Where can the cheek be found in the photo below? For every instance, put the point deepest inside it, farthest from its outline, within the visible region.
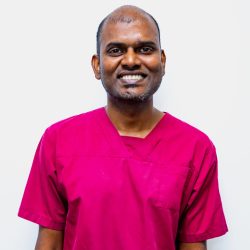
(109, 66)
(153, 64)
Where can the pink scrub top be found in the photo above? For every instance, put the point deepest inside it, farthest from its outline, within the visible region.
(109, 192)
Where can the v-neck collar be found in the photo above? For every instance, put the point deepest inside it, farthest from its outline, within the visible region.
(115, 140)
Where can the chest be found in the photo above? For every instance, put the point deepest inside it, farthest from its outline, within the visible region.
(117, 181)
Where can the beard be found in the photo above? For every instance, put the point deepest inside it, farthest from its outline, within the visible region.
(131, 96)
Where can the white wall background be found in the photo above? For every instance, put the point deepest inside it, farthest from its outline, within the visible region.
(45, 76)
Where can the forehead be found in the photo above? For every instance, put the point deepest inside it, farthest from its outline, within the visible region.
(129, 32)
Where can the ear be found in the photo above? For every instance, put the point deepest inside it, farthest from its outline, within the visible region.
(95, 62)
(163, 61)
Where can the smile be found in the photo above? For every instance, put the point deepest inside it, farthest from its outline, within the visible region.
(132, 77)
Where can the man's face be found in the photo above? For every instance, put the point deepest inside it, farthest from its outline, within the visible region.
(131, 63)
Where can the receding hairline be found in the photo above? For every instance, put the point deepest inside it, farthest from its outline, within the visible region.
(126, 14)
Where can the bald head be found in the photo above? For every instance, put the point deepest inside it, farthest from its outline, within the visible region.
(124, 14)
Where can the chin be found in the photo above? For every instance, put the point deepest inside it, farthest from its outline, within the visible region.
(133, 98)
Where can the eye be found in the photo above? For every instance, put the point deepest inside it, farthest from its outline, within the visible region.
(115, 51)
(146, 50)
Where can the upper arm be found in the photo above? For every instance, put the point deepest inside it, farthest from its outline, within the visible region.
(49, 239)
(202, 217)
(192, 246)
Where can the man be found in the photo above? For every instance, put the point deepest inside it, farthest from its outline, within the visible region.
(126, 176)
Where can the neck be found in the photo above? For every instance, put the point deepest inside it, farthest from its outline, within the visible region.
(133, 119)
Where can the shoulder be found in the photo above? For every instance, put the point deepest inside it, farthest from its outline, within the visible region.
(73, 122)
(69, 136)
(187, 133)
(71, 126)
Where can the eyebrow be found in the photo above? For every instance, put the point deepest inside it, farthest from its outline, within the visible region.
(138, 44)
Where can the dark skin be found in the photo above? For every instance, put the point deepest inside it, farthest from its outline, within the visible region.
(131, 65)
(128, 49)
(49, 239)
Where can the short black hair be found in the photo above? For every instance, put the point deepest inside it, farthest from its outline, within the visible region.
(120, 19)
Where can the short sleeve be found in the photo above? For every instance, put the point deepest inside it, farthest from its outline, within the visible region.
(42, 201)
(203, 217)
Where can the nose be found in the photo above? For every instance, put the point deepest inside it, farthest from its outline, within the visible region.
(130, 59)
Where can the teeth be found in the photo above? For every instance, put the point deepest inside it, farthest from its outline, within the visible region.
(132, 77)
